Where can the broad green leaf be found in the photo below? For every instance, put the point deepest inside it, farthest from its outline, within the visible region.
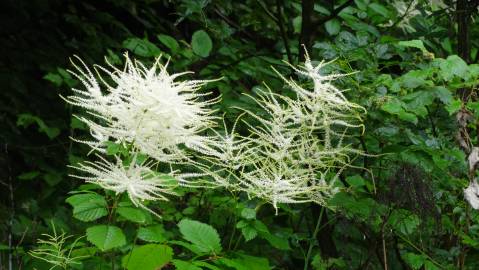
(141, 47)
(154, 233)
(404, 221)
(333, 26)
(414, 260)
(355, 181)
(453, 65)
(131, 213)
(26, 119)
(276, 241)
(169, 42)
(148, 257)
(203, 236)
(443, 94)
(248, 213)
(88, 206)
(105, 237)
(430, 265)
(380, 9)
(184, 265)
(415, 43)
(245, 262)
(249, 233)
(454, 106)
(201, 43)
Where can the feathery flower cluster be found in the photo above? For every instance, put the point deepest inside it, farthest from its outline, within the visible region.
(297, 146)
(144, 107)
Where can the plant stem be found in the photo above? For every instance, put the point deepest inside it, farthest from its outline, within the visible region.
(313, 238)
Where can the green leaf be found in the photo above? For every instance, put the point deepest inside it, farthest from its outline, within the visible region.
(169, 42)
(454, 106)
(276, 241)
(201, 43)
(154, 233)
(380, 9)
(141, 47)
(248, 213)
(26, 119)
(245, 262)
(443, 94)
(131, 213)
(333, 26)
(414, 260)
(430, 266)
(249, 233)
(148, 257)
(183, 265)
(203, 236)
(404, 221)
(355, 181)
(453, 65)
(88, 207)
(105, 237)
(28, 175)
(415, 43)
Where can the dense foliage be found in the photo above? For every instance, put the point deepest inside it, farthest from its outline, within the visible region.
(412, 75)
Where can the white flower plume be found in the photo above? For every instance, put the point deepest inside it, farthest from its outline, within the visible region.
(296, 152)
(138, 180)
(145, 107)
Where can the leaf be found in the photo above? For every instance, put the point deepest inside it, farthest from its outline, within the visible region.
(415, 43)
(430, 265)
(248, 213)
(88, 207)
(26, 119)
(131, 213)
(414, 260)
(183, 265)
(28, 175)
(276, 241)
(245, 262)
(105, 237)
(141, 47)
(443, 94)
(154, 233)
(404, 221)
(148, 257)
(453, 65)
(201, 43)
(355, 181)
(169, 42)
(333, 27)
(249, 233)
(380, 9)
(203, 236)
(454, 106)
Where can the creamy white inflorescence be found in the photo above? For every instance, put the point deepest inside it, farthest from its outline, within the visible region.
(146, 107)
(293, 154)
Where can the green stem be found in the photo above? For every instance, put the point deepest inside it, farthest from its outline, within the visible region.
(313, 239)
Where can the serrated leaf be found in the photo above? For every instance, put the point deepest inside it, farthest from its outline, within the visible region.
(148, 257)
(88, 207)
(201, 43)
(249, 233)
(248, 213)
(203, 236)
(154, 233)
(105, 237)
(333, 26)
(131, 213)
